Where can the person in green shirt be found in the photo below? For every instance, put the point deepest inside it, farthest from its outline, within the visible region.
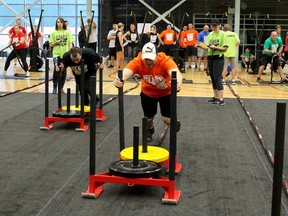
(248, 59)
(217, 44)
(273, 47)
(229, 56)
(61, 41)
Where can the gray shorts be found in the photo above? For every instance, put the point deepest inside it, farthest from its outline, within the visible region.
(202, 52)
(229, 60)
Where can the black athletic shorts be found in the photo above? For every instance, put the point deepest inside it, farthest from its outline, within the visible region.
(112, 52)
(191, 51)
(150, 104)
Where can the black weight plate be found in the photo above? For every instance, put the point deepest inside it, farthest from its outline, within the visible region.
(65, 114)
(145, 169)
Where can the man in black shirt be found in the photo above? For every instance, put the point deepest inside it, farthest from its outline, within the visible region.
(92, 61)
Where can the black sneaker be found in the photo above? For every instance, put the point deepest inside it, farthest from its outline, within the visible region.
(196, 67)
(218, 102)
(150, 132)
(221, 102)
(283, 80)
(258, 79)
(212, 100)
(178, 125)
(189, 67)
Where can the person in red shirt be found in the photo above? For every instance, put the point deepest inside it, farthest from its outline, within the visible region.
(20, 49)
(33, 49)
(30, 38)
(190, 36)
(11, 31)
(155, 69)
(169, 39)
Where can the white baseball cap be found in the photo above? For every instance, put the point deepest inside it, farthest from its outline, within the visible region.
(149, 51)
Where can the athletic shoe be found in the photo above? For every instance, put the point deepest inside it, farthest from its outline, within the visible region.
(178, 125)
(150, 132)
(3, 74)
(233, 82)
(258, 79)
(54, 91)
(224, 82)
(218, 102)
(62, 90)
(97, 98)
(207, 71)
(196, 67)
(27, 74)
(212, 100)
(111, 66)
(189, 67)
(221, 102)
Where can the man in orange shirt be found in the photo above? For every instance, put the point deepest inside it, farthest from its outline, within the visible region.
(190, 36)
(169, 36)
(155, 70)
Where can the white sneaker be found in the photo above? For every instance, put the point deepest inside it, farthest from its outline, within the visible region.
(233, 82)
(3, 74)
(223, 82)
(27, 74)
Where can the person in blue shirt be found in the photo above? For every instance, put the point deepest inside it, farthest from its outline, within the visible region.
(202, 53)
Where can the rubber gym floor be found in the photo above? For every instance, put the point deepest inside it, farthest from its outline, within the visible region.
(225, 169)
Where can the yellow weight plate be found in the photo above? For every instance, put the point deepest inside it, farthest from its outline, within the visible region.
(154, 153)
(74, 108)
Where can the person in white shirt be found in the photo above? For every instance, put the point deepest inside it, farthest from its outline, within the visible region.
(91, 34)
(112, 52)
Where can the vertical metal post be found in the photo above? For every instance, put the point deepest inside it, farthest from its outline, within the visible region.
(278, 156)
(59, 88)
(77, 96)
(82, 88)
(92, 158)
(173, 122)
(46, 87)
(68, 100)
(144, 134)
(101, 88)
(121, 113)
(135, 146)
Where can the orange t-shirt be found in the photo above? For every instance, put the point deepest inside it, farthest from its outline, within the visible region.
(169, 36)
(182, 38)
(155, 81)
(191, 36)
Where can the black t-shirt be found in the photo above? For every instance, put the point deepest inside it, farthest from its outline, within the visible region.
(90, 60)
(133, 37)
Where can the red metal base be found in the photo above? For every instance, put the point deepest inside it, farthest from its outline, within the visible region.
(100, 116)
(97, 181)
(178, 166)
(50, 120)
